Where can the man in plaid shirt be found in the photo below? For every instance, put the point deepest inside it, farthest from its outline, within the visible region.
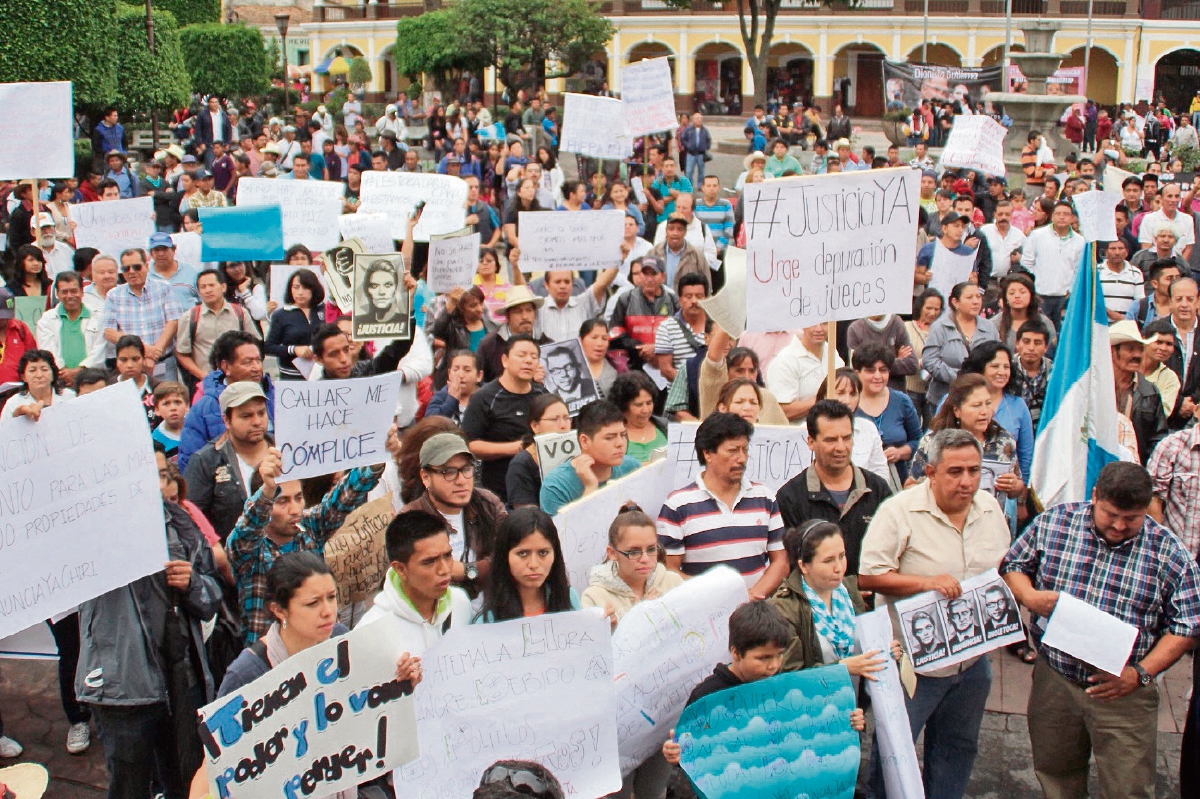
(1111, 555)
(276, 522)
(1175, 471)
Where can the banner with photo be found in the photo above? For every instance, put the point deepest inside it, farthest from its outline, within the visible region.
(912, 83)
(568, 374)
(381, 300)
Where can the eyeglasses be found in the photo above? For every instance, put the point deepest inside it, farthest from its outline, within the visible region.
(522, 780)
(636, 554)
(451, 473)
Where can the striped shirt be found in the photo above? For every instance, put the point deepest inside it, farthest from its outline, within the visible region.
(1121, 289)
(669, 339)
(718, 217)
(1149, 581)
(695, 524)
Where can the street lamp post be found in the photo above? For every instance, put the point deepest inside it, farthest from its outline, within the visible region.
(281, 22)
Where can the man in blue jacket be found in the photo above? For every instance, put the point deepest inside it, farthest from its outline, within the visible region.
(236, 355)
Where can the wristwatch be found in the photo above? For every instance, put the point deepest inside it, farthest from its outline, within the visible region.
(1144, 677)
(471, 571)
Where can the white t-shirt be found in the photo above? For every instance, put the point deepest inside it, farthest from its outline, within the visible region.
(1182, 224)
(247, 472)
(795, 373)
(1002, 247)
(459, 539)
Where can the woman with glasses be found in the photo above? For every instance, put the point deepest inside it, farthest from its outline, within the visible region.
(518, 779)
(528, 575)
(631, 573)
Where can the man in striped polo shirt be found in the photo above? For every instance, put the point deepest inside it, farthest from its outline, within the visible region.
(723, 518)
(1121, 282)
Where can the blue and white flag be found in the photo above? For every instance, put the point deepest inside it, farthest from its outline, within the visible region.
(1077, 433)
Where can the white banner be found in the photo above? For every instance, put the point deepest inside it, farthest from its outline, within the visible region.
(453, 262)
(826, 248)
(595, 127)
(310, 208)
(664, 648)
(187, 249)
(331, 425)
(777, 454)
(373, 230)
(648, 96)
(1097, 217)
(901, 774)
(335, 716)
(396, 194)
(579, 241)
(114, 226)
(948, 268)
(940, 632)
(529, 689)
(976, 142)
(583, 525)
(37, 131)
(82, 513)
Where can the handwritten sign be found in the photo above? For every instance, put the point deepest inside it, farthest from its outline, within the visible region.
(898, 755)
(663, 648)
(940, 632)
(583, 524)
(37, 131)
(829, 247)
(330, 425)
(29, 310)
(396, 194)
(787, 735)
(453, 261)
(327, 718)
(648, 97)
(532, 689)
(777, 454)
(579, 241)
(976, 142)
(1097, 220)
(555, 448)
(374, 230)
(948, 268)
(82, 513)
(595, 127)
(310, 208)
(244, 233)
(356, 554)
(727, 308)
(115, 226)
(188, 247)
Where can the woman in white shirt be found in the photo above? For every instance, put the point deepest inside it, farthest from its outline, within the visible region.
(41, 388)
(868, 446)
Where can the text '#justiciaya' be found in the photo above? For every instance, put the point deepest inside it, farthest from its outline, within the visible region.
(821, 206)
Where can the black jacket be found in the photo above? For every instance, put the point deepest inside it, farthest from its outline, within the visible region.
(803, 498)
(1149, 420)
(215, 484)
(1189, 376)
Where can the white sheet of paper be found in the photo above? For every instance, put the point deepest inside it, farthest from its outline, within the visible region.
(396, 194)
(1089, 634)
(37, 131)
(112, 227)
(656, 376)
(452, 263)
(555, 448)
(949, 268)
(595, 127)
(976, 142)
(901, 773)
(1097, 222)
(187, 249)
(564, 240)
(648, 96)
(374, 230)
(310, 208)
(727, 307)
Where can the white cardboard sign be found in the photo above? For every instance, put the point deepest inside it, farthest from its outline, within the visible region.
(37, 131)
(777, 454)
(114, 226)
(396, 194)
(595, 127)
(578, 241)
(898, 755)
(310, 208)
(453, 262)
(948, 268)
(648, 96)
(1097, 220)
(373, 230)
(976, 142)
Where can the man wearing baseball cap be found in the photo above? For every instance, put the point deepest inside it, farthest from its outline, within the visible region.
(181, 279)
(17, 339)
(638, 313)
(205, 195)
(1137, 398)
(954, 227)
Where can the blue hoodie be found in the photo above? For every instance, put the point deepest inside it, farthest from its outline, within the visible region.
(204, 421)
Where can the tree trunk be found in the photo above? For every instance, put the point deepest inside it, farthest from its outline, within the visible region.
(758, 69)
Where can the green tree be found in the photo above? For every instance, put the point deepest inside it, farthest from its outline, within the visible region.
(146, 81)
(360, 71)
(227, 60)
(191, 12)
(530, 41)
(71, 40)
(431, 45)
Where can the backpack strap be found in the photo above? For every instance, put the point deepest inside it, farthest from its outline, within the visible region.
(259, 648)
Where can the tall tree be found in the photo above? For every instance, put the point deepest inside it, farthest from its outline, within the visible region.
(191, 12)
(71, 40)
(148, 81)
(431, 45)
(227, 60)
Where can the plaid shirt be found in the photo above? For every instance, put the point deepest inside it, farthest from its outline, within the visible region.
(1149, 581)
(251, 553)
(1033, 388)
(1175, 470)
(145, 316)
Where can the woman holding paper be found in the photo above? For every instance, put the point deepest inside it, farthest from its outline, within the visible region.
(547, 414)
(529, 574)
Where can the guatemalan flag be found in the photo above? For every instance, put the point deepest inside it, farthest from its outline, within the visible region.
(1077, 432)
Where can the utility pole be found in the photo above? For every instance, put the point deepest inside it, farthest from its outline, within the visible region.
(150, 41)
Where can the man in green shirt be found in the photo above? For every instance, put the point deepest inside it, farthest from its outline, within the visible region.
(70, 331)
(780, 162)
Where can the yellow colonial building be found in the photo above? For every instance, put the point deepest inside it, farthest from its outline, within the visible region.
(1138, 46)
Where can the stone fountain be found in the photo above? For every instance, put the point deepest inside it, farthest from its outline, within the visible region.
(1034, 109)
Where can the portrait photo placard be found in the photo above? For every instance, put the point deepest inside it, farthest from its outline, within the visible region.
(381, 305)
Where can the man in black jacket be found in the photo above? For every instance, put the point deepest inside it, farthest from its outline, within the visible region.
(1137, 397)
(1185, 358)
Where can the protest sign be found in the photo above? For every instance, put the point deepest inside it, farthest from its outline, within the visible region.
(37, 131)
(648, 96)
(242, 233)
(396, 194)
(976, 142)
(787, 735)
(531, 689)
(580, 241)
(280, 275)
(1089, 634)
(331, 425)
(910, 84)
(826, 248)
(1113, 177)
(662, 649)
(940, 632)
(374, 230)
(327, 718)
(777, 454)
(29, 310)
(82, 513)
(568, 374)
(453, 261)
(583, 524)
(338, 275)
(1097, 219)
(112, 227)
(32, 643)
(897, 754)
(310, 208)
(1184, 180)
(380, 299)
(555, 448)
(595, 127)
(355, 554)
(948, 268)
(727, 308)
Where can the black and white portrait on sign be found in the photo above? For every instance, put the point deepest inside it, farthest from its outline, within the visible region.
(1000, 615)
(568, 375)
(926, 637)
(962, 623)
(381, 306)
